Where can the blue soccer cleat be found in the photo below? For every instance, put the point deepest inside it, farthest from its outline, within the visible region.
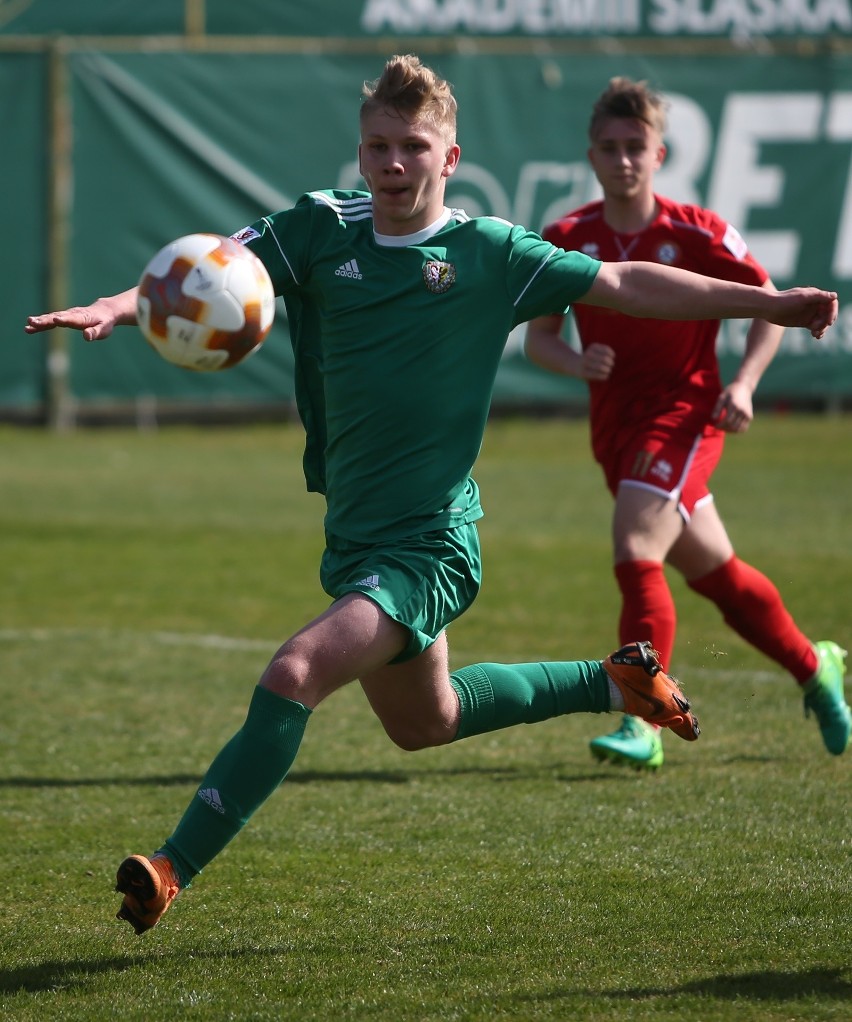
(634, 744)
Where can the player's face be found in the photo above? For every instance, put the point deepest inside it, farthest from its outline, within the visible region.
(406, 166)
(625, 155)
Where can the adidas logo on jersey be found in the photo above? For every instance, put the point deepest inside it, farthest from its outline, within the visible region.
(370, 582)
(349, 269)
(212, 798)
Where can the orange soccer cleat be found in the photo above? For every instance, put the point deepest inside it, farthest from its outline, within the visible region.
(649, 692)
(149, 886)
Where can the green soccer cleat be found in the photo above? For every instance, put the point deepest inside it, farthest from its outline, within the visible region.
(825, 697)
(634, 744)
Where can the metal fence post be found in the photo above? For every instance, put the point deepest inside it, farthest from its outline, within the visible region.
(60, 405)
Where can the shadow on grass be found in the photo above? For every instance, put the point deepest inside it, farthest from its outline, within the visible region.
(295, 777)
(745, 758)
(58, 975)
(769, 986)
(774, 986)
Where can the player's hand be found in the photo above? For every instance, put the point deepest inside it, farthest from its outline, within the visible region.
(95, 321)
(598, 360)
(807, 307)
(734, 410)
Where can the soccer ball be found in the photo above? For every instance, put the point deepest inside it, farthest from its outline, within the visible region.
(205, 302)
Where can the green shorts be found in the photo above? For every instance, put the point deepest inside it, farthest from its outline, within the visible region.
(424, 582)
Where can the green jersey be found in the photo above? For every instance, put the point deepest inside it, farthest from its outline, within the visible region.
(397, 342)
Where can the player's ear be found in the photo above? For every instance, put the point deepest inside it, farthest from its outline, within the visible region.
(451, 161)
(662, 152)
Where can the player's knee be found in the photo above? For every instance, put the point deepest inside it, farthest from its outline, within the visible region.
(414, 735)
(636, 547)
(289, 675)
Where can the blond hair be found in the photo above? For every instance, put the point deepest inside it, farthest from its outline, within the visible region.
(626, 99)
(414, 92)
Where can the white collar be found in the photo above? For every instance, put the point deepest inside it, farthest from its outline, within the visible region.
(401, 240)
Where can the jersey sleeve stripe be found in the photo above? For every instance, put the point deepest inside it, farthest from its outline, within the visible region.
(539, 269)
(268, 223)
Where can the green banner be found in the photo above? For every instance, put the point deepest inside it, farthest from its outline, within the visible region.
(167, 143)
(91, 17)
(740, 20)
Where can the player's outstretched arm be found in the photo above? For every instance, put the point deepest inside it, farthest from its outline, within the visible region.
(649, 290)
(96, 321)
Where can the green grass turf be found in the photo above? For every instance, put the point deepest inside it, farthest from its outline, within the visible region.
(146, 579)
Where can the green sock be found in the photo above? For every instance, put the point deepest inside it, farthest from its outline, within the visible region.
(244, 774)
(494, 696)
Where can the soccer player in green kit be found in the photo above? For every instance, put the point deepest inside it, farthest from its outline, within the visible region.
(399, 309)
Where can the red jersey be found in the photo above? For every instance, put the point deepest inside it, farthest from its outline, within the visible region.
(666, 375)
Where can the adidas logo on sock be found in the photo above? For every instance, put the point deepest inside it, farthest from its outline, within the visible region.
(211, 797)
(370, 582)
(349, 269)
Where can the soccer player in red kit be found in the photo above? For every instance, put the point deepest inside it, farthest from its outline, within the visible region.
(659, 413)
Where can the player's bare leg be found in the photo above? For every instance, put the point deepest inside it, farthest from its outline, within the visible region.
(251, 766)
(415, 701)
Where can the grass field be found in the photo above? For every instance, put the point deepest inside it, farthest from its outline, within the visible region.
(146, 579)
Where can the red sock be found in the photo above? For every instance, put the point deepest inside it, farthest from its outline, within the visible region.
(752, 606)
(647, 608)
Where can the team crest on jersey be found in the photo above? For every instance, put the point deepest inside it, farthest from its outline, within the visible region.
(667, 253)
(592, 249)
(439, 276)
